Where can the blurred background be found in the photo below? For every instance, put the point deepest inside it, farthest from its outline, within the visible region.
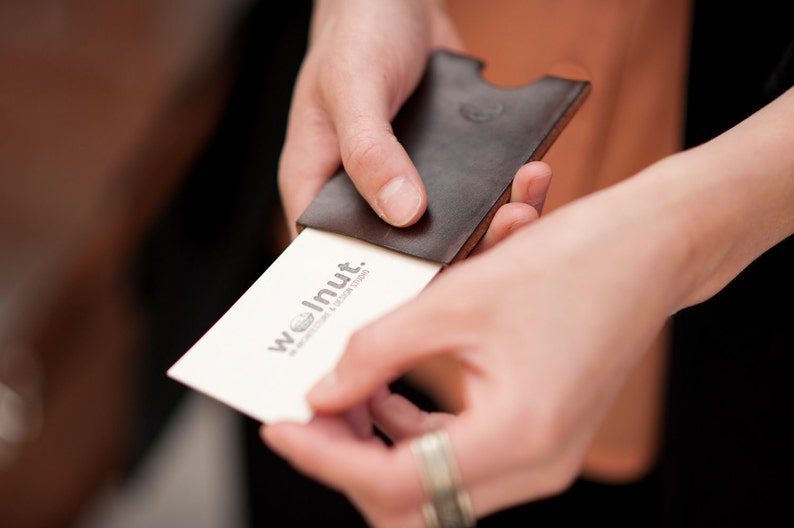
(138, 153)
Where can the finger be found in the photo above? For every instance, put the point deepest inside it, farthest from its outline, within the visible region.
(383, 350)
(313, 448)
(531, 184)
(376, 162)
(398, 418)
(360, 421)
(309, 157)
(328, 451)
(528, 194)
(508, 219)
(364, 92)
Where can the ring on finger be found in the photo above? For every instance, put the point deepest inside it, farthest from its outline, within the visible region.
(449, 505)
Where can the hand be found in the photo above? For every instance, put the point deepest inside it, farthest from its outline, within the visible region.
(527, 197)
(365, 58)
(545, 326)
(538, 361)
(393, 414)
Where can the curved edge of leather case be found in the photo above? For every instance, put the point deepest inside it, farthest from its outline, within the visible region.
(467, 139)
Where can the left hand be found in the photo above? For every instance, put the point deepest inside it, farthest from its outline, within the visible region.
(364, 59)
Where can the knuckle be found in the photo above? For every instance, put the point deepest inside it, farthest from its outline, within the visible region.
(363, 152)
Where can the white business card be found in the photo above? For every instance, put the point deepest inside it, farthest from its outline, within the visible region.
(293, 323)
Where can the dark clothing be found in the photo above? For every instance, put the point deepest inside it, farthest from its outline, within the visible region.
(727, 459)
(216, 236)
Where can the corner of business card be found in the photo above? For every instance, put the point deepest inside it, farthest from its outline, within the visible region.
(292, 325)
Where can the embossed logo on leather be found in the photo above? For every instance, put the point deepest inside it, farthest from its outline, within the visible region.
(482, 110)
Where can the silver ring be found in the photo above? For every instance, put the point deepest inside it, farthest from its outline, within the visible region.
(449, 505)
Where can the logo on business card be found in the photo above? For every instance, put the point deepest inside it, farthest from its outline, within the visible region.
(320, 308)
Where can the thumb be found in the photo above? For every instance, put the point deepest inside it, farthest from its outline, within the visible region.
(377, 163)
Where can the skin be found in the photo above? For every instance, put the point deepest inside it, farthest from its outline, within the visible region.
(542, 340)
(342, 109)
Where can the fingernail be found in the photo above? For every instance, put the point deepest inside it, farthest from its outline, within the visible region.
(399, 202)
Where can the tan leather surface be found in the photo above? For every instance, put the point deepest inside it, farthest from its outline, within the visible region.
(634, 53)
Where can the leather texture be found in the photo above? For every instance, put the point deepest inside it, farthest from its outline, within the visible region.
(467, 139)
